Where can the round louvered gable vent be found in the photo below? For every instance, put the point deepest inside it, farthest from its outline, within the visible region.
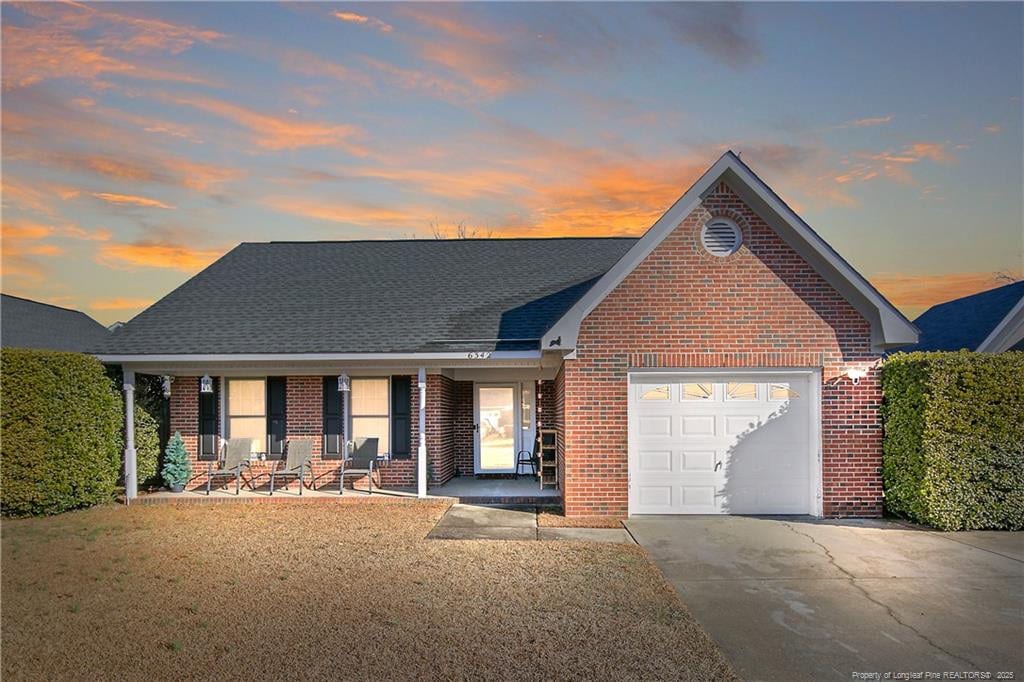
(721, 237)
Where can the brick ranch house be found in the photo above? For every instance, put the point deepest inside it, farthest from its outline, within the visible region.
(724, 362)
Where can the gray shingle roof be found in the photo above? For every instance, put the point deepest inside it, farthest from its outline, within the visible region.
(29, 324)
(965, 322)
(372, 296)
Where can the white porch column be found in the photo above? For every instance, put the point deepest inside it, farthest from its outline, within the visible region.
(421, 451)
(131, 483)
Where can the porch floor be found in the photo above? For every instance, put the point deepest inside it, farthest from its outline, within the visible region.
(498, 490)
(466, 489)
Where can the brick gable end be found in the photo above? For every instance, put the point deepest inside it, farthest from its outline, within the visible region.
(763, 306)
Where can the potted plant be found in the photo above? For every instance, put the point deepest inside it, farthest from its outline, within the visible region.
(177, 469)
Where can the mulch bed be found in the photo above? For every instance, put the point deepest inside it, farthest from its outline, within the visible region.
(336, 591)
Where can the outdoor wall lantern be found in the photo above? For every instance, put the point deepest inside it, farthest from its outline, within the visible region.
(856, 375)
(344, 383)
(167, 381)
(206, 384)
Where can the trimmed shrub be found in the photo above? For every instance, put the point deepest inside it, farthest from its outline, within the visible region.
(61, 423)
(954, 439)
(147, 448)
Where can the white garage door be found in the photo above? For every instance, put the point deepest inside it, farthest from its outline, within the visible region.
(722, 444)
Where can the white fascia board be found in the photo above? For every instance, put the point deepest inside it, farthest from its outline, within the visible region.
(1008, 333)
(477, 356)
(889, 326)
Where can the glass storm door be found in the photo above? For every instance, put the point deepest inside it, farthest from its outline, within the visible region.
(496, 428)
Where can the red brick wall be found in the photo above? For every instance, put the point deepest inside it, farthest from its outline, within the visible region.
(761, 307)
(184, 408)
(559, 407)
(462, 428)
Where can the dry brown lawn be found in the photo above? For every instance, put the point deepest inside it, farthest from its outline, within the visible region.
(329, 590)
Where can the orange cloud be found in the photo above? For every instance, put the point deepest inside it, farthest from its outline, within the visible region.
(364, 215)
(869, 122)
(169, 170)
(275, 133)
(32, 55)
(484, 57)
(893, 164)
(130, 200)
(915, 293)
(467, 184)
(414, 79)
(434, 17)
(155, 255)
(118, 303)
(993, 128)
(353, 18)
(37, 197)
(24, 242)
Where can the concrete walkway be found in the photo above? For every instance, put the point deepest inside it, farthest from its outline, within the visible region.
(512, 522)
(800, 599)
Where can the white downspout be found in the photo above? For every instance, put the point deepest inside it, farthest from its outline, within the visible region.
(131, 483)
(421, 451)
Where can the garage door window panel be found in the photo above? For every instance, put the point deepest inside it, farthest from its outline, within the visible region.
(655, 392)
(781, 391)
(738, 390)
(698, 391)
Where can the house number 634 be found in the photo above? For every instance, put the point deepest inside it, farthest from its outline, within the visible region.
(479, 355)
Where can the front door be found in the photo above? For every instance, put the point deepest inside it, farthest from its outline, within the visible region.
(496, 421)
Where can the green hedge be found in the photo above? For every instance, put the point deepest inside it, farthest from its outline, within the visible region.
(60, 432)
(954, 439)
(147, 448)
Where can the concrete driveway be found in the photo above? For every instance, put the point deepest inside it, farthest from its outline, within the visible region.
(799, 599)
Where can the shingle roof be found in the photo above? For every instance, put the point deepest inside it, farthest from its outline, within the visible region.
(372, 296)
(966, 322)
(29, 324)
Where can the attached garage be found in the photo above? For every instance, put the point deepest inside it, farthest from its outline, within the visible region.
(731, 442)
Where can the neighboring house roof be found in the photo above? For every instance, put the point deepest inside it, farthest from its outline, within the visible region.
(991, 321)
(889, 327)
(371, 297)
(30, 324)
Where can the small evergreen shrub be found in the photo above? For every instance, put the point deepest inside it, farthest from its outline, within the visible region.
(177, 468)
(60, 432)
(954, 439)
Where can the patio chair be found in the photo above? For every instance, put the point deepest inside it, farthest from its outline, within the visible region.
(361, 461)
(236, 458)
(296, 463)
(527, 458)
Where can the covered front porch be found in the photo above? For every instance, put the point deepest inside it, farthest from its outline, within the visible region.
(457, 428)
(464, 489)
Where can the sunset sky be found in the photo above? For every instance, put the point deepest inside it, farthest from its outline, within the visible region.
(143, 140)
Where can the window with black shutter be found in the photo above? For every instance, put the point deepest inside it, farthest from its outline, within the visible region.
(208, 408)
(276, 408)
(334, 419)
(401, 417)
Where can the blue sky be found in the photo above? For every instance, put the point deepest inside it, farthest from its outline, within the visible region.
(143, 140)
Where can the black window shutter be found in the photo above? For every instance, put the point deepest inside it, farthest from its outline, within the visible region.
(208, 407)
(401, 417)
(275, 416)
(333, 419)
